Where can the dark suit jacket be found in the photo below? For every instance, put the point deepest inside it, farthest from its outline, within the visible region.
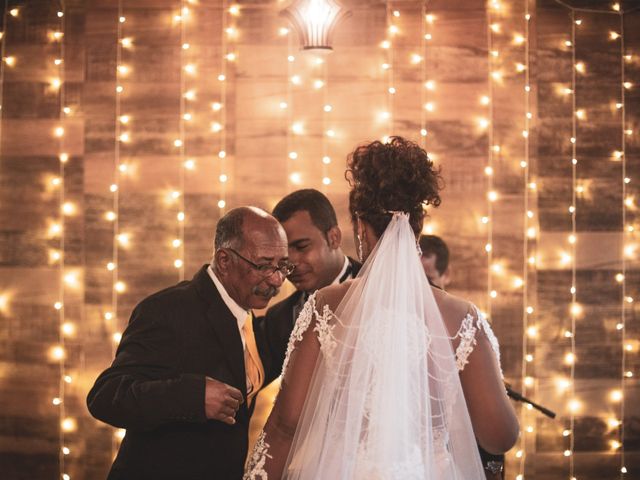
(278, 323)
(155, 387)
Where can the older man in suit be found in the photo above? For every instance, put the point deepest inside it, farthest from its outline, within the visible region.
(315, 249)
(189, 364)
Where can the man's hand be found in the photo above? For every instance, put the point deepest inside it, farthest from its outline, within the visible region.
(221, 401)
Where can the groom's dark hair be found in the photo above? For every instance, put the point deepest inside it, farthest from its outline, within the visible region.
(316, 203)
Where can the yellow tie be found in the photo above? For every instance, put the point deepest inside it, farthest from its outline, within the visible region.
(252, 363)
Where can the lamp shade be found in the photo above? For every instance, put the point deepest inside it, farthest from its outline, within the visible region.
(315, 20)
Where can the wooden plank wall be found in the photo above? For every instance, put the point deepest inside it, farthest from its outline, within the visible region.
(258, 138)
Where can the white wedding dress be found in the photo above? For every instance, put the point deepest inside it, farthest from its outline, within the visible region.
(371, 386)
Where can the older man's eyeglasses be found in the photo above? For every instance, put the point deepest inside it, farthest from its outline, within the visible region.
(267, 269)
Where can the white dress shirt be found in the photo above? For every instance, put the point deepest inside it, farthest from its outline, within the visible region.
(238, 312)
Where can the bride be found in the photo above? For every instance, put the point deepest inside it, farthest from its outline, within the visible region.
(386, 377)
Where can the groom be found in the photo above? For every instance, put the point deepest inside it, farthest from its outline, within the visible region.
(189, 364)
(315, 249)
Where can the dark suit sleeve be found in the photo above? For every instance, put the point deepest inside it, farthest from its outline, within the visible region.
(143, 389)
(274, 344)
(277, 325)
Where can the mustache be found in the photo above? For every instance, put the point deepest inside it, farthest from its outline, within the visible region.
(267, 292)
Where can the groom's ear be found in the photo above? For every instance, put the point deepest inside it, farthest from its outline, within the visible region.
(334, 237)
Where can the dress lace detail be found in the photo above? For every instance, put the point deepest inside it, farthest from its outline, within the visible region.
(325, 331)
(467, 335)
(255, 468)
(323, 327)
(483, 324)
(302, 324)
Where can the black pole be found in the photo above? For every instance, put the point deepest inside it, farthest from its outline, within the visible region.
(521, 398)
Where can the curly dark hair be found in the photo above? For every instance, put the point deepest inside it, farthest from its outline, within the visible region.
(392, 176)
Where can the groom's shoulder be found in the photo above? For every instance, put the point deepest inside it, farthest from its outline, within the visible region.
(355, 266)
(284, 306)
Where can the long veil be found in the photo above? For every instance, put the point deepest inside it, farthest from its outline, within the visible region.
(385, 400)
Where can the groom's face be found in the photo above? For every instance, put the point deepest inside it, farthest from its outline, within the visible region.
(311, 251)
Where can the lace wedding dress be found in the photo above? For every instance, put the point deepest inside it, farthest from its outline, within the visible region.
(370, 385)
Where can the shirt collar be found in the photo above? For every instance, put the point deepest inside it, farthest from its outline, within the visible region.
(336, 280)
(236, 310)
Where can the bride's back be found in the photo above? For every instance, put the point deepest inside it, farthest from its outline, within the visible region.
(477, 357)
(453, 309)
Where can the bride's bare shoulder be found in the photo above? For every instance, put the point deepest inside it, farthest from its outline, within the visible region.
(453, 309)
(333, 294)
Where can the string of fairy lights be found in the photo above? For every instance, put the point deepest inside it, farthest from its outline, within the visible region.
(492, 196)
(177, 195)
(121, 136)
(3, 62)
(387, 115)
(229, 31)
(423, 74)
(295, 127)
(527, 304)
(529, 331)
(570, 357)
(578, 114)
(496, 40)
(293, 177)
(393, 16)
(388, 67)
(310, 72)
(627, 246)
(328, 132)
(186, 69)
(67, 424)
(4, 297)
(426, 85)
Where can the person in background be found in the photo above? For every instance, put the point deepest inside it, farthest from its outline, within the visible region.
(435, 261)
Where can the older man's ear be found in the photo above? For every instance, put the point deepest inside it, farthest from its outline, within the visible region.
(221, 262)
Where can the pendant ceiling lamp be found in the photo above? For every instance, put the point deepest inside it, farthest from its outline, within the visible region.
(315, 20)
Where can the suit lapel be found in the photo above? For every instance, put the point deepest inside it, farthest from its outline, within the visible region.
(298, 301)
(355, 267)
(226, 328)
(224, 325)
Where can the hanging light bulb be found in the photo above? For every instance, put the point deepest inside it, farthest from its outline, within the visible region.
(315, 21)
